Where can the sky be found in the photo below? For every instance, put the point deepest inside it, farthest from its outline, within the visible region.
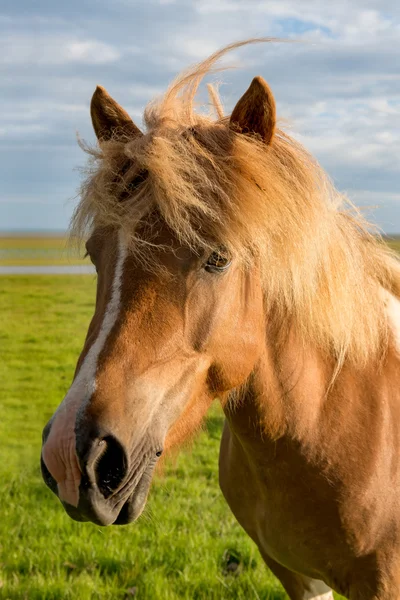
(337, 90)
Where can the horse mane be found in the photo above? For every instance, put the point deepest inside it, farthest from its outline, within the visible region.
(322, 266)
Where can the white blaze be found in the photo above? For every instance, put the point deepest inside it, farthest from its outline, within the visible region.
(59, 449)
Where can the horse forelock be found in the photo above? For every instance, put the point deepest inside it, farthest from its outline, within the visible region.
(321, 265)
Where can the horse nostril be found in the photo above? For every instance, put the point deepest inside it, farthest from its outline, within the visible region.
(111, 467)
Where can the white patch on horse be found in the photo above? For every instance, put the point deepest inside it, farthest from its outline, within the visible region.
(59, 450)
(393, 312)
(318, 591)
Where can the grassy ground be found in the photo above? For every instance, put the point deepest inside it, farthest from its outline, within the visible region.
(185, 544)
(394, 242)
(187, 541)
(39, 250)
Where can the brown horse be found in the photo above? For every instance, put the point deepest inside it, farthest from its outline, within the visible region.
(228, 266)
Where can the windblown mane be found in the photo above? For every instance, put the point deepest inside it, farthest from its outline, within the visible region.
(322, 268)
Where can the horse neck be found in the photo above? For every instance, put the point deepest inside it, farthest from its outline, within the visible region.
(284, 395)
(290, 397)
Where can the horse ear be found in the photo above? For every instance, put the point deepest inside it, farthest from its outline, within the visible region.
(109, 119)
(255, 113)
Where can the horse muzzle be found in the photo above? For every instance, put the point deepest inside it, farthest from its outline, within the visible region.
(113, 489)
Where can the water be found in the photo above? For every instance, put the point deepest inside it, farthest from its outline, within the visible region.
(48, 270)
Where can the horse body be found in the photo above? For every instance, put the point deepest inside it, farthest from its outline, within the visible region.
(228, 268)
(314, 478)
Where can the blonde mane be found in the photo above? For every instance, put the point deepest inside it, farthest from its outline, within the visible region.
(321, 266)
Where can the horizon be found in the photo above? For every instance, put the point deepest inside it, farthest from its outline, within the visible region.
(65, 232)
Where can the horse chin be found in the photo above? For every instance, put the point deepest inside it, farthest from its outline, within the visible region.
(92, 506)
(130, 511)
(74, 513)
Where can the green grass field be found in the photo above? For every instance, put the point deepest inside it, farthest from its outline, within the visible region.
(394, 242)
(181, 548)
(186, 543)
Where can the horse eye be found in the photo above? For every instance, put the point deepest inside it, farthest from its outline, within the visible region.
(139, 178)
(218, 261)
(89, 255)
(133, 185)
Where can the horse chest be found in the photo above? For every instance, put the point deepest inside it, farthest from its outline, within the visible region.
(279, 510)
(293, 514)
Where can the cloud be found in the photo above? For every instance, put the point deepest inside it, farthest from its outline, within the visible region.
(25, 49)
(338, 91)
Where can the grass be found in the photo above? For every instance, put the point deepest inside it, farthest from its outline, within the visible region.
(393, 242)
(180, 549)
(183, 545)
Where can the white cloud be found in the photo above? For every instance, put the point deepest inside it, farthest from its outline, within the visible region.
(373, 198)
(90, 52)
(24, 49)
(21, 131)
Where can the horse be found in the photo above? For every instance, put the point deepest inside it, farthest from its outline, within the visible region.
(229, 266)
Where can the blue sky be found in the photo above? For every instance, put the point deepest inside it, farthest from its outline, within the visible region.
(338, 92)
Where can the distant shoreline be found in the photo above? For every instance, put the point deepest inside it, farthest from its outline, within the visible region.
(32, 233)
(47, 270)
